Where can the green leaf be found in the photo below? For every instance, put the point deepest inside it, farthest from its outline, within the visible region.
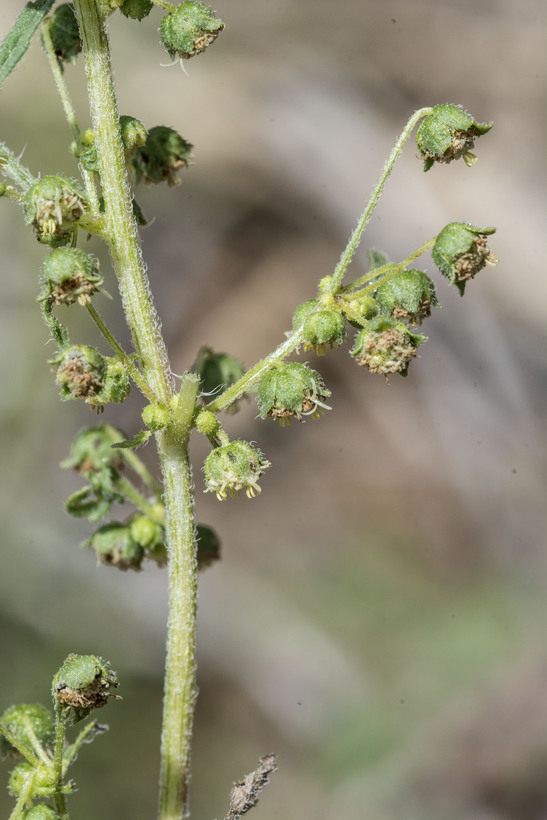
(136, 441)
(18, 39)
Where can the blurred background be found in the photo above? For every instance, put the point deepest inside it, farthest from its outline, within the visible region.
(379, 615)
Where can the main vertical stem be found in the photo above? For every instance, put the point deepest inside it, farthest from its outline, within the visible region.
(180, 688)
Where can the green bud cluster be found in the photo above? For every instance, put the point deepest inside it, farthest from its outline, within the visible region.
(83, 373)
(42, 776)
(189, 29)
(69, 275)
(291, 391)
(83, 683)
(386, 345)
(461, 251)
(64, 34)
(448, 133)
(160, 157)
(53, 206)
(234, 467)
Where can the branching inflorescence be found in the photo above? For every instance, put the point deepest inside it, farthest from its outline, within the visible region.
(383, 306)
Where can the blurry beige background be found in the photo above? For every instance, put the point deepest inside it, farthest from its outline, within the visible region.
(379, 615)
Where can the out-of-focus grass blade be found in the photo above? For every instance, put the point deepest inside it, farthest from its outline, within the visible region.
(18, 39)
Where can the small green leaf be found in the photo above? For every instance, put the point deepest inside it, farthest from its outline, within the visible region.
(18, 39)
(136, 441)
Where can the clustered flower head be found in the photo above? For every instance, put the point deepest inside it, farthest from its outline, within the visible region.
(292, 391)
(189, 29)
(160, 156)
(83, 373)
(69, 275)
(53, 206)
(83, 683)
(234, 467)
(448, 133)
(409, 296)
(386, 345)
(461, 251)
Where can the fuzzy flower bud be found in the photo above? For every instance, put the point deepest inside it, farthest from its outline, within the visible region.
(409, 296)
(44, 780)
(114, 545)
(64, 34)
(134, 135)
(233, 467)
(28, 723)
(156, 416)
(83, 373)
(291, 391)
(83, 683)
(386, 346)
(161, 156)
(69, 275)
(461, 251)
(52, 206)
(448, 133)
(322, 328)
(189, 29)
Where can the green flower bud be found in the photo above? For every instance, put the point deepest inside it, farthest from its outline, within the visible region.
(52, 206)
(233, 467)
(409, 296)
(134, 135)
(322, 328)
(291, 391)
(461, 251)
(136, 9)
(69, 275)
(208, 546)
(83, 683)
(448, 133)
(40, 812)
(64, 33)
(161, 156)
(386, 346)
(302, 312)
(113, 544)
(44, 779)
(156, 416)
(358, 311)
(82, 373)
(217, 372)
(92, 450)
(207, 423)
(28, 723)
(189, 29)
(86, 151)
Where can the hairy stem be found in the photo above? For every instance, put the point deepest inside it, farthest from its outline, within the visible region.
(123, 237)
(355, 238)
(180, 674)
(180, 688)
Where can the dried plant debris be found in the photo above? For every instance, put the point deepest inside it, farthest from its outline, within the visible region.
(244, 794)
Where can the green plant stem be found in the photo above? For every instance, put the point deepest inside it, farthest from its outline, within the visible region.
(10, 737)
(180, 670)
(26, 792)
(60, 727)
(384, 273)
(355, 238)
(130, 491)
(132, 371)
(122, 230)
(70, 113)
